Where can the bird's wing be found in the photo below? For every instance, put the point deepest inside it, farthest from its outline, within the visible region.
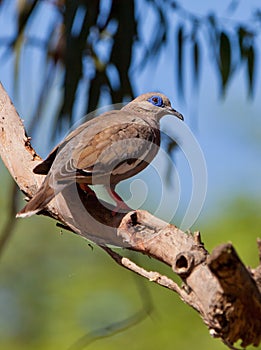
(114, 149)
(87, 128)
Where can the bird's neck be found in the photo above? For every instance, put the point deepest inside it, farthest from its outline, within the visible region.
(143, 113)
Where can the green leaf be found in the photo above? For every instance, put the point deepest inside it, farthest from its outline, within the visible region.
(196, 61)
(94, 92)
(241, 32)
(122, 49)
(180, 54)
(247, 51)
(75, 52)
(24, 10)
(251, 69)
(244, 38)
(224, 59)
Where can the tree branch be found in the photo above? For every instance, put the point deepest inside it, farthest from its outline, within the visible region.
(218, 286)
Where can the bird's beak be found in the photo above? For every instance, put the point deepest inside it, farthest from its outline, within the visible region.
(176, 113)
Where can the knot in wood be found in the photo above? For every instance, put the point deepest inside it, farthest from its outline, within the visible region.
(183, 264)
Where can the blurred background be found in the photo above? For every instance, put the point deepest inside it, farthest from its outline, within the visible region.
(60, 60)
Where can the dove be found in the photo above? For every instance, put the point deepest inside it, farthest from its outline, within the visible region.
(105, 150)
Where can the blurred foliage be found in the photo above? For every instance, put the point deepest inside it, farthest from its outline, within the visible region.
(92, 45)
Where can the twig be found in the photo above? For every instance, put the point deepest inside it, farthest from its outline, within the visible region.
(152, 276)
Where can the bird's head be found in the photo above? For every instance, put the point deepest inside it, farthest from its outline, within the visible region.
(153, 103)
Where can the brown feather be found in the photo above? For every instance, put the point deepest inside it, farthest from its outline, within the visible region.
(42, 197)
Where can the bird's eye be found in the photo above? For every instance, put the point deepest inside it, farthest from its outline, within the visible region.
(156, 101)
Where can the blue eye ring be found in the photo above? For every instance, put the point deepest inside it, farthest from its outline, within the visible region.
(156, 101)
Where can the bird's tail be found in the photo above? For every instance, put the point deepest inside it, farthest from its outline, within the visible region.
(38, 202)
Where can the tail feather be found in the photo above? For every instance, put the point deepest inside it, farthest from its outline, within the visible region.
(38, 202)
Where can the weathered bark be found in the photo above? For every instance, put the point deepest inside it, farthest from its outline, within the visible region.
(218, 285)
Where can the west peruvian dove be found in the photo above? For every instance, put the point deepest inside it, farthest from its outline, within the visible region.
(105, 150)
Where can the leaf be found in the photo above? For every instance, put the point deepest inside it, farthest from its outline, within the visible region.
(251, 69)
(161, 36)
(158, 41)
(94, 92)
(75, 52)
(241, 35)
(224, 59)
(180, 54)
(243, 39)
(196, 61)
(122, 50)
(25, 10)
(212, 20)
(247, 51)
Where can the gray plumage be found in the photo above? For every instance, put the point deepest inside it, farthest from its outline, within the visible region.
(105, 150)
